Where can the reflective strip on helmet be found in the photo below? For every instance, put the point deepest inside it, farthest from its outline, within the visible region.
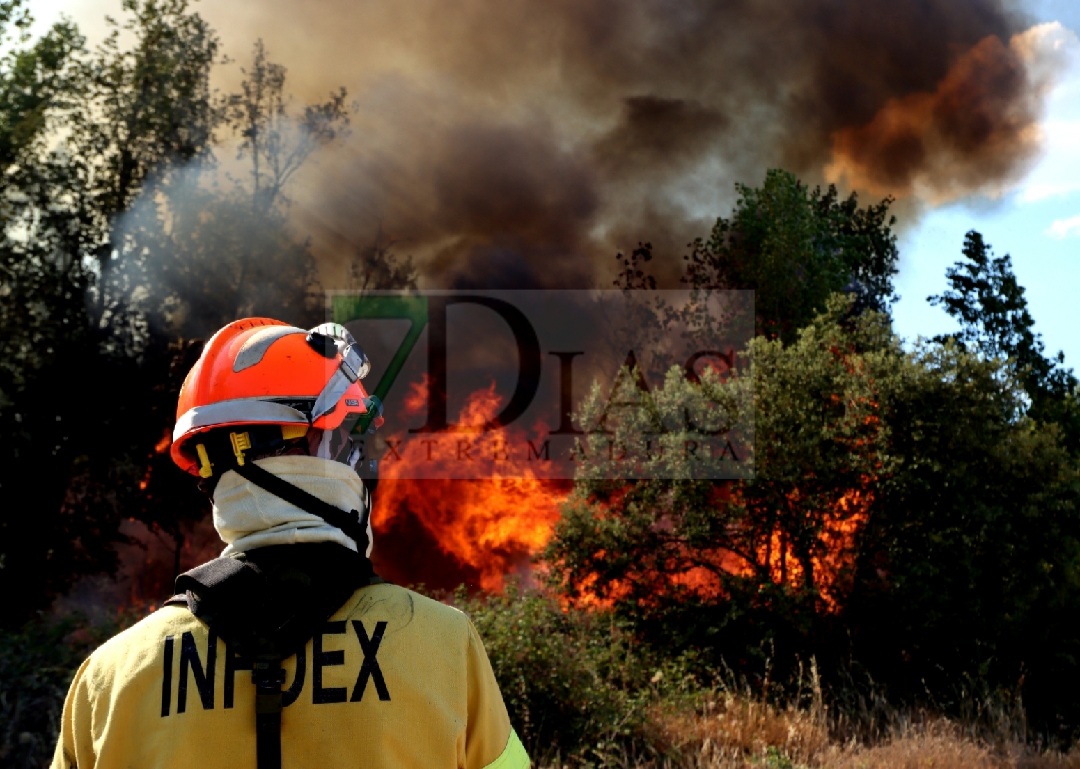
(256, 346)
(236, 411)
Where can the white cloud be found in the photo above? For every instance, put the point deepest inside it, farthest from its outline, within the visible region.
(1063, 228)
(1057, 173)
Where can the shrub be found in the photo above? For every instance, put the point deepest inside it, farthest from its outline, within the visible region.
(37, 663)
(577, 684)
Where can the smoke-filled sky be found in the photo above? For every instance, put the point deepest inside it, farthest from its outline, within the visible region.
(524, 143)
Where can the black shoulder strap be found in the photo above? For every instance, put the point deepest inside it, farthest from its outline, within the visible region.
(229, 580)
(268, 677)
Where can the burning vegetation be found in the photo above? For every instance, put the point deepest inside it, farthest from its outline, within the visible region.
(483, 530)
(911, 511)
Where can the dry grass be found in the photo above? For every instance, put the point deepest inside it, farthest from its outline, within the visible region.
(730, 729)
(736, 730)
(747, 734)
(940, 745)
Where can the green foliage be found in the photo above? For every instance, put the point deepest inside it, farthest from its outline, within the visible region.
(121, 245)
(989, 304)
(82, 132)
(794, 247)
(968, 565)
(775, 758)
(733, 565)
(13, 14)
(150, 108)
(37, 663)
(45, 330)
(577, 683)
(32, 80)
(900, 519)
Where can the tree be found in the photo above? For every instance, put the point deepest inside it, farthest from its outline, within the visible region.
(900, 518)
(988, 302)
(31, 81)
(794, 247)
(151, 109)
(733, 565)
(970, 556)
(377, 268)
(46, 345)
(122, 245)
(199, 248)
(149, 113)
(277, 143)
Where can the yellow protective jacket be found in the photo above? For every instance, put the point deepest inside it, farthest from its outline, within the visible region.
(394, 680)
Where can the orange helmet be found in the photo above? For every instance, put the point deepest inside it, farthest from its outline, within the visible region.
(262, 372)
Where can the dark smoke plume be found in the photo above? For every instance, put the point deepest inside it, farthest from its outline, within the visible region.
(523, 143)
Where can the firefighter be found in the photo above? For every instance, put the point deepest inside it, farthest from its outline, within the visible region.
(288, 650)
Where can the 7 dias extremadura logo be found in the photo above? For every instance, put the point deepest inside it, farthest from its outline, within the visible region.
(550, 384)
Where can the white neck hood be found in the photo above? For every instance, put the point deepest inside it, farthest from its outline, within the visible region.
(248, 516)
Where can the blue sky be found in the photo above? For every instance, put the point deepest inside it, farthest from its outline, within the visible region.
(1036, 222)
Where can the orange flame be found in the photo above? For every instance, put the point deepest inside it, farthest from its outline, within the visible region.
(830, 566)
(161, 447)
(493, 526)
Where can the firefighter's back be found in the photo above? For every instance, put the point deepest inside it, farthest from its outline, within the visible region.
(392, 679)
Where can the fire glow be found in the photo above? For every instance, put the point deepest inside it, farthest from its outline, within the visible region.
(496, 528)
(161, 447)
(830, 569)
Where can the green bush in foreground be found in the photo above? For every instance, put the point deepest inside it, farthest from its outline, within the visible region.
(577, 684)
(37, 663)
